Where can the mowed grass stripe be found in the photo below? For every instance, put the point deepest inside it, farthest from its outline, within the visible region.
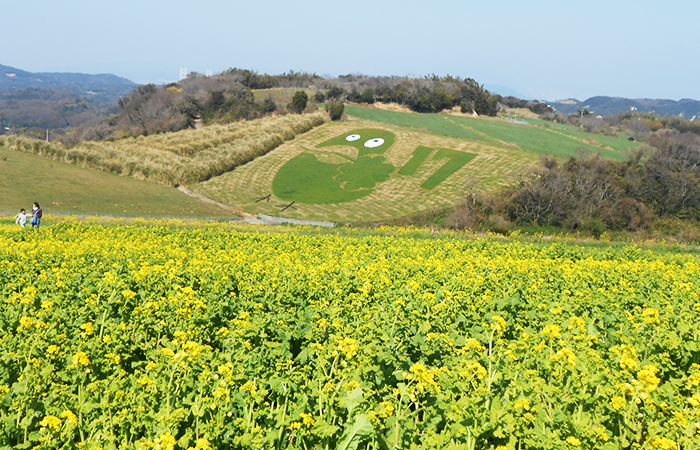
(431, 123)
(561, 142)
(455, 161)
(419, 155)
(620, 142)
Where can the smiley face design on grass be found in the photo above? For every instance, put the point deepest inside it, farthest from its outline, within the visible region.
(342, 169)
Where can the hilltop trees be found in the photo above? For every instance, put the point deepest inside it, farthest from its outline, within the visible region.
(426, 95)
(152, 110)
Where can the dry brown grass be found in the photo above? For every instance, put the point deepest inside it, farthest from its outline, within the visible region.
(184, 157)
(391, 107)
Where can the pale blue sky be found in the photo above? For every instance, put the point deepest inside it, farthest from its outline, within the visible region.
(543, 49)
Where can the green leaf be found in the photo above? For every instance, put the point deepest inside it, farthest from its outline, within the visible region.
(425, 327)
(354, 434)
(323, 429)
(34, 436)
(353, 399)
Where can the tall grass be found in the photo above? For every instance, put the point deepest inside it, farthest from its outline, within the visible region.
(183, 157)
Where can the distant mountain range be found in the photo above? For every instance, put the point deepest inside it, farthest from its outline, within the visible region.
(103, 88)
(613, 105)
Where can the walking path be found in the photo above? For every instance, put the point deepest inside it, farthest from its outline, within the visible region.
(262, 219)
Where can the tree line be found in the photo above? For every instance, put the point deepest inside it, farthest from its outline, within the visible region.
(228, 96)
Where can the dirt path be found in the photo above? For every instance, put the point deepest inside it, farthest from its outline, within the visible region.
(200, 197)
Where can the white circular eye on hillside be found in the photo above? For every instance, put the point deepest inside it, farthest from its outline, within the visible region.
(352, 137)
(373, 143)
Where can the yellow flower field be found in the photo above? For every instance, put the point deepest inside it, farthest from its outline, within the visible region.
(158, 336)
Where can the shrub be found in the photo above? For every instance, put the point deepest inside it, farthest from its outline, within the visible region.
(335, 109)
(299, 101)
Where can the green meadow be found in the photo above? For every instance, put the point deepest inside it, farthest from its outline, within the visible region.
(560, 141)
(68, 189)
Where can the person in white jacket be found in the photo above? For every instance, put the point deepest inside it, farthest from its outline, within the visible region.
(22, 218)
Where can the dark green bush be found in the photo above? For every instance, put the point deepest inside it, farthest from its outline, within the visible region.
(299, 102)
(335, 109)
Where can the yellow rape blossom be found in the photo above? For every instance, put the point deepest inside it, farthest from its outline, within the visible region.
(567, 355)
(81, 359)
(201, 444)
(387, 409)
(647, 378)
(249, 387)
(552, 330)
(694, 400)
(522, 403)
(663, 443)
(352, 385)
(650, 315)
(113, 358)
(165, 441)
(424, 376)
(87, 329)
(308, 419)
(50, 421)
(349, 347)
(618, 402)
(694, 378)
(26, 323)
(500, 324)
(472, 344)
(70, 417)
(528, 417)
(573, 441)
(52, 351)
(600, 433)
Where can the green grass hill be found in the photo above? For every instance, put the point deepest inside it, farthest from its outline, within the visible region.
(68, 189)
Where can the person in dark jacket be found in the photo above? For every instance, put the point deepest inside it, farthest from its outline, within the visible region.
(36, 215)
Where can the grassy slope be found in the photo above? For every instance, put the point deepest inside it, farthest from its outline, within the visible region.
(557, 140)
(181, 157)
(64, 188)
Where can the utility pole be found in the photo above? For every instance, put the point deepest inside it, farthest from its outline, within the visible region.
(47, 135)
